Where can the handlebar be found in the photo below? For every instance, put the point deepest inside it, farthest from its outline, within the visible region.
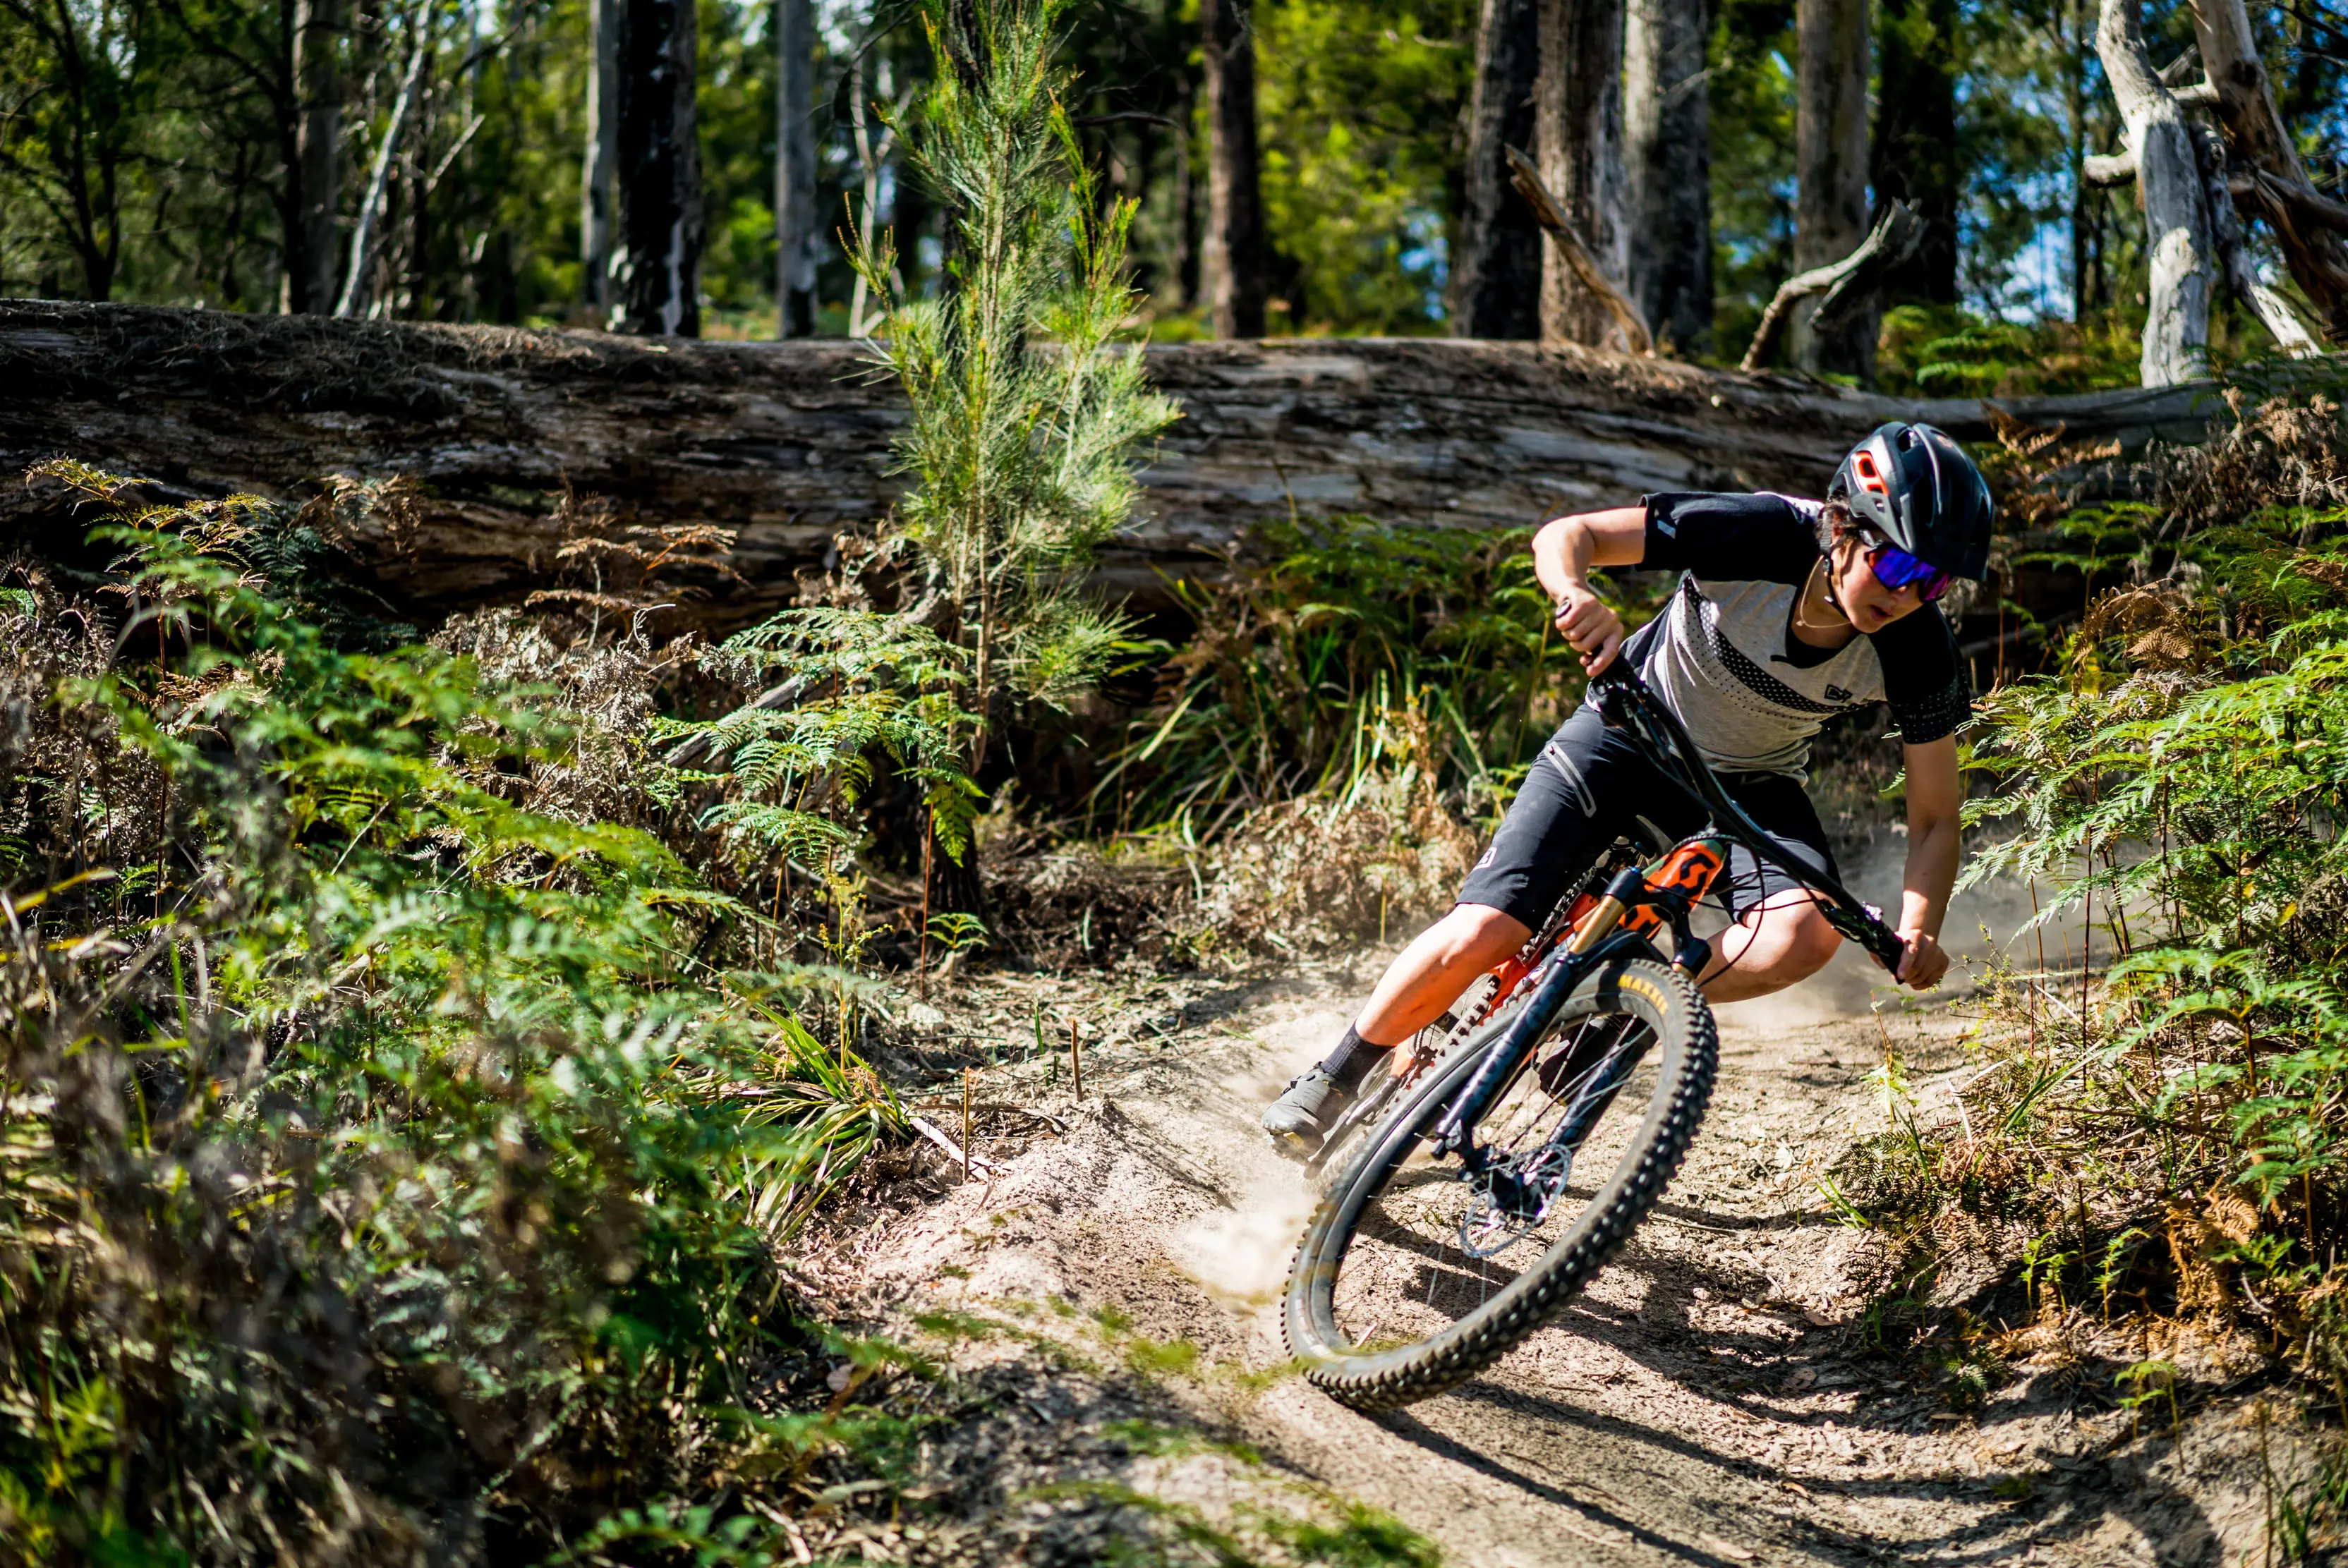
(1625, 702)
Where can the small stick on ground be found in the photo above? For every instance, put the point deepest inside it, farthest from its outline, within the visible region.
(1076, 1057)
(922, 964)
(965, 1123)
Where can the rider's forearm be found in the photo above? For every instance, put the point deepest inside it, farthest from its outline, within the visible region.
(1562, 554)
(1930, 873)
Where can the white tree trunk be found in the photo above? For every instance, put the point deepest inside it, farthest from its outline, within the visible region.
(2176, 217)
(2237, 89)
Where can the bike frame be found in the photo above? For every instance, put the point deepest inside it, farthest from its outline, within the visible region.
(1638, 905)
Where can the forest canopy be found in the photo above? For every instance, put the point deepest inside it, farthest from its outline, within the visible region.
(459, 160)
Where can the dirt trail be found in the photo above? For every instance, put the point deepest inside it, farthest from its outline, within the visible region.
(1709, 1399)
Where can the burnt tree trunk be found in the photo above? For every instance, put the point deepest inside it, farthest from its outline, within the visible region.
(1232, 258)
(317, 86)
(1831, 168)
(1915, 154)
(656, 263)
(601, 159)
(797, 231)
(1496, 267)
(1579, 117)
(1667, 132)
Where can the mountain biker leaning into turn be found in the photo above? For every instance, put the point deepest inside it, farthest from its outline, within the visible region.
(1787, 613)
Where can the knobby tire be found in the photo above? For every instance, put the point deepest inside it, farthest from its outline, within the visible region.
(1684, 1055)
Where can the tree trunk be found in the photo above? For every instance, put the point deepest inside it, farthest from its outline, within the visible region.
(1579, 116)
(657, 267)
(1667, 130)
(1831, 168)
(796, 228)
(1916, 141)
(2255, 134)
(2177, 224)
(1234, 260)
(310, 267)
(600, 162)
(1496, 264)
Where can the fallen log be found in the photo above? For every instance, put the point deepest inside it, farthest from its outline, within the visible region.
(787, 443)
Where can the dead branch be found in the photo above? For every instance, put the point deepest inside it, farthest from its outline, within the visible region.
(1846, 283)
(1551, 217)
(2241, 274)
(2238, 93)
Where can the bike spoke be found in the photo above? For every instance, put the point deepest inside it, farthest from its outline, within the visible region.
(1409, 1273)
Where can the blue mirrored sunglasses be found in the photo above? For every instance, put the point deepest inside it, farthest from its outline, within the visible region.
(1895, 569)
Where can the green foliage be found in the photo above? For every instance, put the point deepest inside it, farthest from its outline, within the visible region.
(1360, 106)
(1339, 648)
(1025, 410)
(2178, 788)
(379, 1140)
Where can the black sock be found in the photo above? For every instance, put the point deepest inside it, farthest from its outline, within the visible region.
(1353, 1060)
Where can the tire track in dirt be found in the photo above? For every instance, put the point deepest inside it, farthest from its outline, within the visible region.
(1708, 1400)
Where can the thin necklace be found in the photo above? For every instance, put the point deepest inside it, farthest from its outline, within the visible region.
(1802, 621)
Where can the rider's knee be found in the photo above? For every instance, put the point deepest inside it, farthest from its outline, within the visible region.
(1483, 935)
(1810, 944)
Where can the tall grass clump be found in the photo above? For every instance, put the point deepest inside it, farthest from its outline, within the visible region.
(392, 1161)
(2159, 1120)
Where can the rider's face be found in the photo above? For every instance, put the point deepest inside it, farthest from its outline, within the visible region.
(1869, 605)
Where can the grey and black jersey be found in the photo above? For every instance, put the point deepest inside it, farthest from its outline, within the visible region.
(1724, 657)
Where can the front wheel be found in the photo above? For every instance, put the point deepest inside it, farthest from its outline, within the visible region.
(1416, 1273)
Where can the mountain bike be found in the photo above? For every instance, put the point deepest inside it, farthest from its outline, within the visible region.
(1519, 1143)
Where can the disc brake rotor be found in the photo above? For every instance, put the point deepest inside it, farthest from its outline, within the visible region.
(1511, 1197)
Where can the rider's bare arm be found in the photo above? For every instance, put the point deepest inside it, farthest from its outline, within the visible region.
(1934, 796)
(1564, 551)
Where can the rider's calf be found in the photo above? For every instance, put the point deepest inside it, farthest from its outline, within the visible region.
(1784, 941)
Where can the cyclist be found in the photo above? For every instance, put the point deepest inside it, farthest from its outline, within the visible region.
(1787, 613)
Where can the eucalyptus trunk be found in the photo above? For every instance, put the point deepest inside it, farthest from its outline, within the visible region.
(1496, 266)
(601, 162)
(797, 231)
(2159, 152)
(318, 140)
(1578, 117)
(1667, 131)
(656, 264)
(1916, 141)
(1831, 169)
(1233, 253)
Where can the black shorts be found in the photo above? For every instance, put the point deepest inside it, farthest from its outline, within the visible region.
(1591, 786)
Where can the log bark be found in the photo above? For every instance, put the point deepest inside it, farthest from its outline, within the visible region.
(1496, 273)
(2176, 220)
(1667, 138)
(2238, 89)
(1234, 259)
(318, 25)
(797, 231)
(601, 159)
(1830, 167)
(657, 263)
(788, 443)
(1579, 123)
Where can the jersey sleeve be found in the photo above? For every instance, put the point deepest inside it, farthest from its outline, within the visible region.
(1924, 681)
(1729, 537)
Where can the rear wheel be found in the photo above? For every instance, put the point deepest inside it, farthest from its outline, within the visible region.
(1416, 1273)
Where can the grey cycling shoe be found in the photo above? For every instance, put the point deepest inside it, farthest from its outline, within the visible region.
(1299, 1120)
